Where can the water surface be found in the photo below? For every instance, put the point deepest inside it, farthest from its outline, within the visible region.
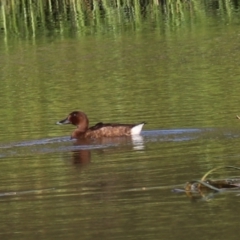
(174, 67)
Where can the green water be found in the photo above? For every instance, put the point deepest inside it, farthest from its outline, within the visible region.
(173, 65)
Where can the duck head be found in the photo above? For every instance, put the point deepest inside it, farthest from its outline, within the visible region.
(78, 119)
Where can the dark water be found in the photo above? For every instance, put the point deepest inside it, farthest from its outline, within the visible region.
(177, 69)
(59, 188)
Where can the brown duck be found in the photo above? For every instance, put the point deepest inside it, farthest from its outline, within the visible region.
(80, 120)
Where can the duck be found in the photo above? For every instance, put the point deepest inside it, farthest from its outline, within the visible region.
(80, 120)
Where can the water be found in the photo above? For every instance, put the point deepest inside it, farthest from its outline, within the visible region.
(179, 73)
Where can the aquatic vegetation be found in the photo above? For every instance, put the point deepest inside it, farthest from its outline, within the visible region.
(29, 19)
(205, 187)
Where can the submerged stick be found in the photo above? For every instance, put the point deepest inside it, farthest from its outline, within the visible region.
(209, 186)
(217, 186)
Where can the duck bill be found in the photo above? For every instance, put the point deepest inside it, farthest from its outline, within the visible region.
(64, 121)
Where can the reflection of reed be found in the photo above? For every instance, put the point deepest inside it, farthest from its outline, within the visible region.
(33, 18)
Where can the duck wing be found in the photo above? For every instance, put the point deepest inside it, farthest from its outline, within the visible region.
(114, 129)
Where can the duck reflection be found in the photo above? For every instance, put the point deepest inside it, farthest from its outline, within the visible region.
(82, 156)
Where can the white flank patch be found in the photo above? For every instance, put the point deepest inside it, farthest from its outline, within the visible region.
(137, 129)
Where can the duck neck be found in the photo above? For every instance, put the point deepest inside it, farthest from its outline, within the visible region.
(77, 134)
(83, 126)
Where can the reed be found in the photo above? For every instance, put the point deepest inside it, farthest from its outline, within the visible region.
(30, 18)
